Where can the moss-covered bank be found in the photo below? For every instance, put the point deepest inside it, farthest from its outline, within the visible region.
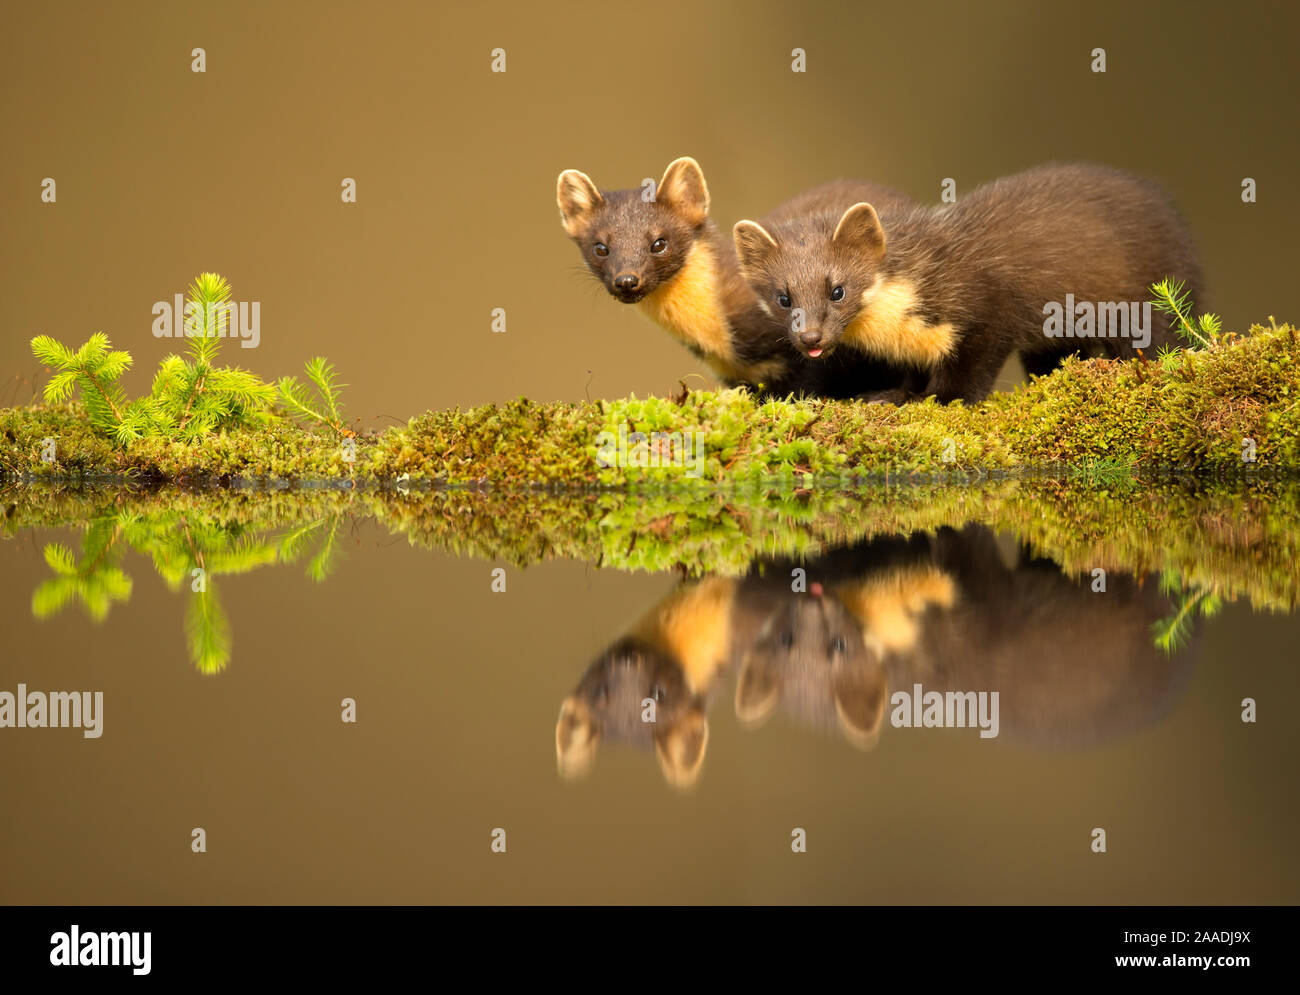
(1199, 411)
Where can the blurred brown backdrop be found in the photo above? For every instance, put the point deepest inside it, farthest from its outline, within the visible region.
(162, 172)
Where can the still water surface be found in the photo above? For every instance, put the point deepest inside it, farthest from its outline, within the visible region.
(786, 686)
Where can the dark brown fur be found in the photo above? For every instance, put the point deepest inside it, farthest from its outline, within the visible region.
(986, 266)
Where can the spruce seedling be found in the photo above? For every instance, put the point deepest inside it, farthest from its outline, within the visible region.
(325, 408)
(193, 397)
(1170, 297)
(95, 369)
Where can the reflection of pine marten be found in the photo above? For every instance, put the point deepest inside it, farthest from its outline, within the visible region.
(954, 290)
(666, 256)
(952, 611)
(1073, 667)
(948, 611)
(823, 655)
(671, 657)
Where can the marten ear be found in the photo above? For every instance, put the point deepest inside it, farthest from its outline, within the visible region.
(576, 737)
(684, 190)
(860, 229)
(756, 692)
(577, 197)
(753, 244)
(680, 748)
(859, 690)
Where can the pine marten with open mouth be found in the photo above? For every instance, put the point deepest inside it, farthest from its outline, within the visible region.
(665, 255)
(952, 291)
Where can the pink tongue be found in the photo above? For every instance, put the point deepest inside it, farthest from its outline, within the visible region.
(814, 353)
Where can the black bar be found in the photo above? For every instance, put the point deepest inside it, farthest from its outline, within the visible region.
(917, 943)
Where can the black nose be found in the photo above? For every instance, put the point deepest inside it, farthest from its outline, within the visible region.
(810, 338)
(626, 281)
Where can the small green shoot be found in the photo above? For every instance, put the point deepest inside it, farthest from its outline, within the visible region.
(1171, 298)
(325, 407)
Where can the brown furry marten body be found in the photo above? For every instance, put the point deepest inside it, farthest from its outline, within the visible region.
(668, 258)
(954, 290)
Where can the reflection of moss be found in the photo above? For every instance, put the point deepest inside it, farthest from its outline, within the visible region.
(1240, 540)
(1194, 410)
(1235, 540)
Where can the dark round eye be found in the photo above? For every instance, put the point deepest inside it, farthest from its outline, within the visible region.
(784, 300)
(787, 639)
(838, 645)
(601, 249)
(837, 294)
(659, 245)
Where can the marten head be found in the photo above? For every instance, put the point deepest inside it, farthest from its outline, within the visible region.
(635, 241)
(612, 702)
(813, 273)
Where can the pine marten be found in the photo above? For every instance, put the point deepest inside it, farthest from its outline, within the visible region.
(954, 290)
(666, 256)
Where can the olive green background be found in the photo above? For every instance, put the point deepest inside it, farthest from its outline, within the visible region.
(163, 173)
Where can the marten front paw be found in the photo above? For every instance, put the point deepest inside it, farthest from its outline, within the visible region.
(895, 396)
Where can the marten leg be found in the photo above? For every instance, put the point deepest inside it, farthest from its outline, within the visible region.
(896, 395)
(1040, 364)
(912, 388)
(970, 374)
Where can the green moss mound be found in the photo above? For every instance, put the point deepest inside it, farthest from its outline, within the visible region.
(1228, 409)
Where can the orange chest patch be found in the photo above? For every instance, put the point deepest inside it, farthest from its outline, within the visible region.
(890, 328)
(690, 306)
